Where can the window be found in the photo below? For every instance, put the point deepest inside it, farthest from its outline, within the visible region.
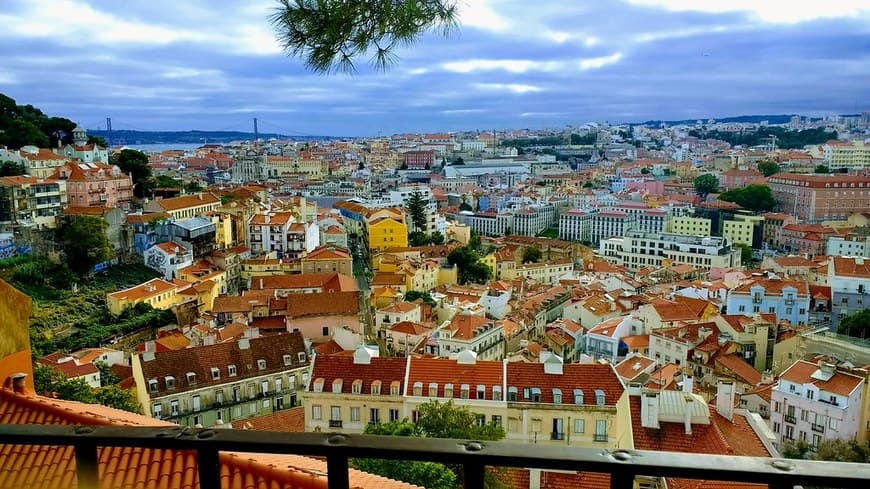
(579, 426)
(776, 427)
(394, 414)
(433, 389)
(152, 385)
(278, 383)
(788, 310)
(535, 394)
(261, 364)
(301, 356)
(325, 331)
(578, 396)
(512, 394)
(170, 382)
(496, 420)
(418, 388)
(197, 420)
(354, 414)
(158, 410)
(374, 416)
(173, 407)
(557, 396)
(599, 397)
(191, 378)
(356, 387)
(335, 413)
(315, 412)
(237, 393)
(288, 360)
(215, 373)
(496, 393)
(600, 430)
(777, 406)
(463, 391)
(395, 388)
(789, 432)
(810, 394)
(480, 419)
(231, 371)
(481, 392)
(197, 404)
(448, 390)
(741, 308)
(219, 396)
(376, 387)
(336, 386)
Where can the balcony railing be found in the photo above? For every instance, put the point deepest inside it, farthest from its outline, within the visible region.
(789, 419)
(818, 427)
(335, 423)
(622, 465)
(557, 436)
(599, 437)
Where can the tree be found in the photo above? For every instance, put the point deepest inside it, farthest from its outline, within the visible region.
(417, 210)
(330, 35)
(23, 133)
(465, 206)
(644, 171)
(165, 181)
(856, 325)
(50, 382)
(412, 295)
(745, 253)
(436, 238)
(11, 169)
(706, 184)
(107, 376)
(768, 167)
(587, 184)
(192, 187)
(98, 140)
(532, 254)
(822, 169)
(116, 397)
(830, 450)
(757, 198)
(135, 164)
(471, 269)
(84, 243)
(446, 420)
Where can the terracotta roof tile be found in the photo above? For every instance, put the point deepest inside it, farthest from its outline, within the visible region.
(187, 201)
(740, 368)
(288, 421)
(385, 370)
(841, 383)
(587, 377)
(443, 371)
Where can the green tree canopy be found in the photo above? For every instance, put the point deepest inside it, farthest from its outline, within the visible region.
(857, 324)
(745, 253)
(532, 254)
(830, 450)
(471, 269)
(822, 169)
(11, 169)
(98, 140)
(135, 164)
(330, 35)
(758, 198)
(465, 206)
(417, 210)
(768, 168)
(706, 184)
(50, 382)
(84, 243)
(785, 138)
(412, 295)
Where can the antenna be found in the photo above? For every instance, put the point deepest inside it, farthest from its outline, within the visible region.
(109, 131)
(256, 132)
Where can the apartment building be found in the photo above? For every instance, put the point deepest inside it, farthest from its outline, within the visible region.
(741, 229)
(653, 221)
(849, 245)
(816, 402)
(488, 223)
(788, 298)
(546, 272)
(846, 154)
(576, 225)
(815, 198)
(690, 226)
(611, 223)
(222, 383)
(28, 201)
(850, 287)
(158, 293)
(279, 232)
(95, 185)
(328, 259)
(185, 206)
(467, 332)
(544, 403)
(533, 219)
(41, 162)
(641, 250)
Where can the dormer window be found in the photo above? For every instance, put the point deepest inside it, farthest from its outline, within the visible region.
(301, 356)
(599, 397)
(376, 387)
(578, 397)
(288, 360)
(448, 390)
(512, 394)
(463, 391)
(481, 392)
(153, 386)
(433, 389)
(557, 396)
(336, 386)
(395, 388)
(231, 371)
(215, 373)
(535, 394)
(261, 364)
(356, 387)
(496, 393)
(170, 382)
(318, 385)
(418, 388)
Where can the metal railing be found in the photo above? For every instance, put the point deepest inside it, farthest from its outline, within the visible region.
(622, 465)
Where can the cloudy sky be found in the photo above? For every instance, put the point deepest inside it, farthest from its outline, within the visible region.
(186, 64)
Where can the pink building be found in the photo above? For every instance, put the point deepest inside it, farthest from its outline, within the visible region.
(650, 187)
(95, 185)
(804, 238)
(732, 179)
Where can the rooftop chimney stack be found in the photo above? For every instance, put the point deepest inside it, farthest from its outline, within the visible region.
(687, 413)
(688, 382)
(649, 410)
(725, 399)
(19, 383)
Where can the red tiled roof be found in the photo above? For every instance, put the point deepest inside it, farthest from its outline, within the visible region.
(288, 421)
(69, 368)
(385, 370)
(587, 377)
(741, 369)
(841, 383)
(634, 366)
(322, 304)
(188, 201)
(443, 371)
(852, 267)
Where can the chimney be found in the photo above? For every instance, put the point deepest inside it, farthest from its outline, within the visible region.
(649, 410)
(688, 382)
(687, 413)
(725, 399)
(19, 383)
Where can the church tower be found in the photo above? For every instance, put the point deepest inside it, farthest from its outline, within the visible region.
(80, 136)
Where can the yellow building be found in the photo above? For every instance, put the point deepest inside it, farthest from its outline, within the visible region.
(386, 231)
(266, 266)
(185, 206)
(208, 281)
(741, 229)
(847, 154)
(690, 226)
(157, 293)
(491, 262)
(224, 235)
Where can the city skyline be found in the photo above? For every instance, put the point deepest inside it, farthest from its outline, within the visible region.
(165, 66)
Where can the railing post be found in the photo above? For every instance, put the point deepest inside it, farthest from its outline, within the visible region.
(208, 462)
(474, 474)
(86, 465)
(336, 469)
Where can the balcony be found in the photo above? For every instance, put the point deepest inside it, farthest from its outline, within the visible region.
(622, 465)
(820, 428)
(335, 423)
(789, 419)
(599, 437)
(832, 402)
(557, 436)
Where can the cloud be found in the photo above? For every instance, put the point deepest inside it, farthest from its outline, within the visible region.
(600, 62)
(508, 87)
(776, 11)
(510, 65)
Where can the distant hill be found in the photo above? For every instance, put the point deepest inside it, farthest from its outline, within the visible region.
(121, 137)
(755, 119)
